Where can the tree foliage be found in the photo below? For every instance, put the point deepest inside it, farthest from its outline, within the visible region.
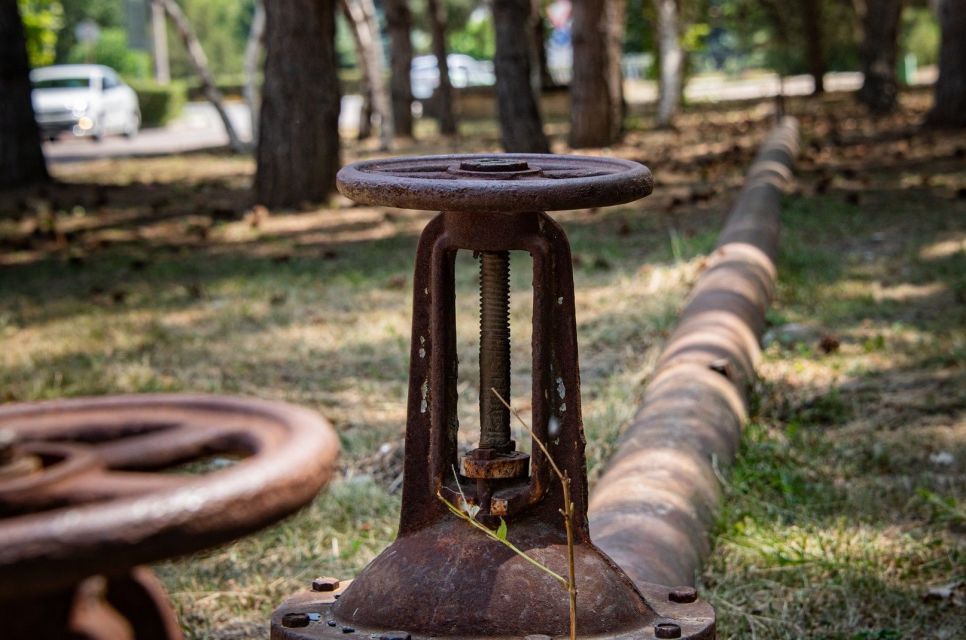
(42, 22)
(112, 49)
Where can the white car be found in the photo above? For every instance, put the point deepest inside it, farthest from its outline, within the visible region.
(85, 99)
(464, 71)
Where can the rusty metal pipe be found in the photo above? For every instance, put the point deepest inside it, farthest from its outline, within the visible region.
(653, 508)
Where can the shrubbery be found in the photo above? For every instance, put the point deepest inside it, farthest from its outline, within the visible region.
(160, 103)
(112, 50)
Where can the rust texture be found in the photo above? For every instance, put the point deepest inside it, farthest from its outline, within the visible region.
(653, 508)
(119, 482)
(442, 578)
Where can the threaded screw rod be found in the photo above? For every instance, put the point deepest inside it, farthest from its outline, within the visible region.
(494, 349)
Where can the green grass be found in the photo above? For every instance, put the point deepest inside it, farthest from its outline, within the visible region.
(839, 516)
(154, 287)
(148, 275)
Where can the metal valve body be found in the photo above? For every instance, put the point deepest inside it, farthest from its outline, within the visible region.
(442, 578)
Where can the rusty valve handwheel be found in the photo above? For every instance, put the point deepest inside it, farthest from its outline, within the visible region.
(510, 182)
(98, 486)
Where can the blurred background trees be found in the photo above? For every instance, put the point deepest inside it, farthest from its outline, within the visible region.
(430, 58)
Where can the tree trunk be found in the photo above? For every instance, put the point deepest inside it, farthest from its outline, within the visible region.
(399, 25)
(159, 45)
(616, 22)
(592, 116)
(814, 43)
(672, 61)
(539, 43)
(365, 110)
(522, 130)
(437, 19)
(298, 140)
(21, 158)
(361, 15)
(365, 82)
(950, 107)
(253, 50)
(200, 62)
(880, 88)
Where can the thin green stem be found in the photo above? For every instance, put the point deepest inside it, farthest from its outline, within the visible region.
(543, 447)
(459, 513)
(567, 512)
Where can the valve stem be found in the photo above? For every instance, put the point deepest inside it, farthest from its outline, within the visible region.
(494, 350)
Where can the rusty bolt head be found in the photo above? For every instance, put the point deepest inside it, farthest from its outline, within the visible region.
(325, 584)
(395, 635)
(8, 445)
(295, 620)
(667, 630)
(682, 595)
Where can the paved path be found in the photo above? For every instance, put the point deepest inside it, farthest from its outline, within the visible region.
(200, 128)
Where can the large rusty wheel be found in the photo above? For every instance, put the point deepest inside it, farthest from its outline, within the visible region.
(99, 486)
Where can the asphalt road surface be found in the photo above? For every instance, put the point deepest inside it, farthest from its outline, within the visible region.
(200, 128)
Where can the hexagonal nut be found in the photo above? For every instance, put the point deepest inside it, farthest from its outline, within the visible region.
(682, 595)
(667, 630)
(295, 620)
(325, 584)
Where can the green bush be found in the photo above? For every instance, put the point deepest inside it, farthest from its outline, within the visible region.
(160, 103)
(111, 49)
(231, 86)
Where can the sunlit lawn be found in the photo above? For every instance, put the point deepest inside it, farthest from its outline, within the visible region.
(838, 518)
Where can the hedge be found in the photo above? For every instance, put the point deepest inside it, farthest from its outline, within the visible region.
(160, 103)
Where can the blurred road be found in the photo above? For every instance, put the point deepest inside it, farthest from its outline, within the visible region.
(200, 128)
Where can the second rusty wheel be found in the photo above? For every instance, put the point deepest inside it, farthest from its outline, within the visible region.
(99, 486)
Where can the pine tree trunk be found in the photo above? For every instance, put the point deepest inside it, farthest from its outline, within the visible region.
(253, 50)
(21, 157)
(950, 107)
(672, 61)
(590, 93)
(814, 42)
(520, 124)
(539, 44)
(879, 92)
(298, 144)
(616, 22)
(365, 82)
(361, 15)
(399, 25)
(196, 54)
(447, 114)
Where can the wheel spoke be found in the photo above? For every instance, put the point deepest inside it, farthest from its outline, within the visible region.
(171, 447)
